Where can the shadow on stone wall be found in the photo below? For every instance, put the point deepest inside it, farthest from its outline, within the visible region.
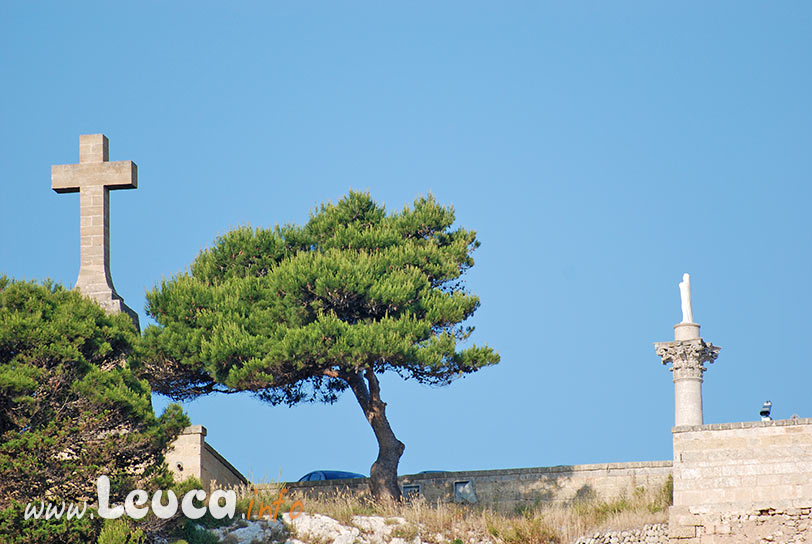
(512, 489)
(585, 493)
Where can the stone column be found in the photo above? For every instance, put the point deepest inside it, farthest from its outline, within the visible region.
(687, 354)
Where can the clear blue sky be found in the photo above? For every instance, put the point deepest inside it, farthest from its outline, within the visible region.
(600, 149)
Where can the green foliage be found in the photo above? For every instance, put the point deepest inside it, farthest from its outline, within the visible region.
(290, 312)
(296, 314)
(665, 495)
(192, 533)
(406, 531)
(597, 510)
(72, 407)
(120, 531)
(15, 529)
(207, 521)
(189, 484)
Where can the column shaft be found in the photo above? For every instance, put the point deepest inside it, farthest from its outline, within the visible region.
(687, 358)
(687, 401)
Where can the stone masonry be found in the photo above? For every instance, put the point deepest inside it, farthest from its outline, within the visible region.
(93, 178)
(749, 463)
(742, 482)
(508, 489)
(734, 482)
(648, 534)
(782, 525)
(190, 455)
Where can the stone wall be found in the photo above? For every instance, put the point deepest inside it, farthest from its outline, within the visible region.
(190, 455)
(735, 481)
(513, 488)
(648, 534)
(728, 525)
(753, 462)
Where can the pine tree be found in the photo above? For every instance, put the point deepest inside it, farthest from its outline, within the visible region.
(71, 407)
(303, 313)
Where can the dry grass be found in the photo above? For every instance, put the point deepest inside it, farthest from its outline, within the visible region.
(445, 522)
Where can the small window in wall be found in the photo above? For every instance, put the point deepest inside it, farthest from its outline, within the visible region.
(464, 491)
(411, 491)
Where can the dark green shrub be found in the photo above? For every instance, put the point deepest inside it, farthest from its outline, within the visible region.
(72, 408)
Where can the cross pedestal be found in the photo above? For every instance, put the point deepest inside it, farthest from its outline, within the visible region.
(93, 178)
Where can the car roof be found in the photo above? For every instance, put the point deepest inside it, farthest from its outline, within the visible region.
(333, 474)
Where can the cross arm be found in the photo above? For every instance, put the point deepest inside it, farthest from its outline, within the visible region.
(69, 178)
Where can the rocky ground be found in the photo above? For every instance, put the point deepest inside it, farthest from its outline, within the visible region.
(319, 529)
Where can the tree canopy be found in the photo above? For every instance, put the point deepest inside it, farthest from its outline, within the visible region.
(71, 407)
(302, 313)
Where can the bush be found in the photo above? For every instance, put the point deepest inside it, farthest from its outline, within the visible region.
(194, 534)
(119, 531)
(72, 408)
(15, 529)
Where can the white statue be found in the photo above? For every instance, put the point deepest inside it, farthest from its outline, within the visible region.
(685, 295)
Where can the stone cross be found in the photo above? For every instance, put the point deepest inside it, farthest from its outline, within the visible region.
(93, 178)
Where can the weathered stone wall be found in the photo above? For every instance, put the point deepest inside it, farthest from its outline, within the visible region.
(735, 481)
(216, 471)
(190, 455)
(726, 525)
(513, 488)
(649, 534)
(753, 462)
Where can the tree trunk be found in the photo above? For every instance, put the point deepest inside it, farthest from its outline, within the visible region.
(383, 475)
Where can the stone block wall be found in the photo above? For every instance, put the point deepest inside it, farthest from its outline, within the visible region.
(729, 525)
(190, 455)
(512, 488)
(742, 482)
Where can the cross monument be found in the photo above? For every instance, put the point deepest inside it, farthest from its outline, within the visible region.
(93, 178)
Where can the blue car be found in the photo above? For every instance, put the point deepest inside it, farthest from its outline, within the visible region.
(318, 475)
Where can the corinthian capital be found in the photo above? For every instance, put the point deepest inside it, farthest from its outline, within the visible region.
(687, 356)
